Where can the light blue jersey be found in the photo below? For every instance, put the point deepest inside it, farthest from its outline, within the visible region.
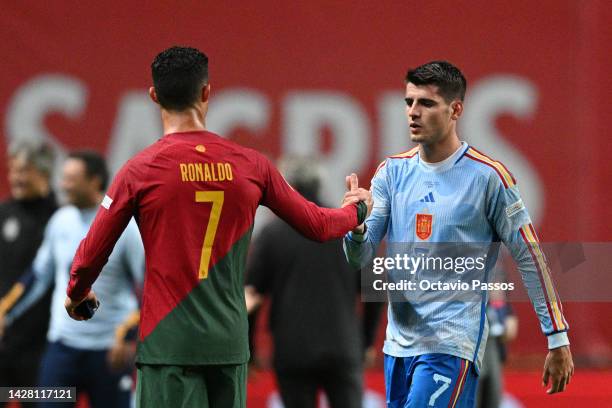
(115, 288)
(467, 198)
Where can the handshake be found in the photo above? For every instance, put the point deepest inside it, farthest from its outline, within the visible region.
(356, 194)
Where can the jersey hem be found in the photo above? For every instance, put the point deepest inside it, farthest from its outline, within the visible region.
(394, 350)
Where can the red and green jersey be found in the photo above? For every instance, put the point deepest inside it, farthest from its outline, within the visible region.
(194, 197)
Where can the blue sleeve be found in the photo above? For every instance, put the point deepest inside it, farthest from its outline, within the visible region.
(361, 248)
(37, 279)
(509, 217)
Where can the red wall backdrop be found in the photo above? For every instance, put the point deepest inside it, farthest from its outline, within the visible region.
(328, 78)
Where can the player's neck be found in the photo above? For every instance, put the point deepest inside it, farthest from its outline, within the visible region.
(188, 120)
(436, 152)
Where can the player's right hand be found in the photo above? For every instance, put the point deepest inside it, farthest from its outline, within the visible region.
(71, 305)
(356, 194)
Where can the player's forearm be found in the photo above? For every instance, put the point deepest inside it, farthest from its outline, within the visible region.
(537, 279)
(82, 275)
(87, 265)
(317, 223)
(95, 248)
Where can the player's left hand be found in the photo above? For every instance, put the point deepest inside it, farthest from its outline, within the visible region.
(558, 368)
(71, 305)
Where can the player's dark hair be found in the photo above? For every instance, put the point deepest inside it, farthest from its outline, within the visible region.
(95, 165)
(448, 78)
(178, 76)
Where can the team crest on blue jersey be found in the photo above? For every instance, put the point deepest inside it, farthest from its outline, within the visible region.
(424, 223)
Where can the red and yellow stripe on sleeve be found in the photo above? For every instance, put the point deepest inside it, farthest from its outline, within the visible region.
(499, 168)
(406, 155)
(555, 310)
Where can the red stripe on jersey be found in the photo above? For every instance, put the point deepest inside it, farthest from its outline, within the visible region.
(498, 162)
(491, 166)
(407, 154)
(533, 232)
(541, 278)
(553, 288)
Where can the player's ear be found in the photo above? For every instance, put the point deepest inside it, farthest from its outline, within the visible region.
(153, 95)
(456, 109)
(206, 93)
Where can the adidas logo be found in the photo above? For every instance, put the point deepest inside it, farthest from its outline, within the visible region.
(429, 198)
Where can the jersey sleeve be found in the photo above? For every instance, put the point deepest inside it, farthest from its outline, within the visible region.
(509, 217)
(360, 248)
(113, 216)
(314, 222)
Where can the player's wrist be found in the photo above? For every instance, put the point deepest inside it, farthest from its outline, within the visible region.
(557, 340)
(362, 212)
(360, 229)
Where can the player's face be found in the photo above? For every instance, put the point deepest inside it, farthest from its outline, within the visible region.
(79, 188)
(429, 115)
(25, 180)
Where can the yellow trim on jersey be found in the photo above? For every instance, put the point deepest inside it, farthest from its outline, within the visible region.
(410, 152)
(500, 167)
(548, 284)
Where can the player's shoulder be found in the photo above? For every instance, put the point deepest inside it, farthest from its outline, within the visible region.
(407, 155)
(395, 160)
(489, 166)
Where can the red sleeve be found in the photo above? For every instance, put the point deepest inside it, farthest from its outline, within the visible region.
(113, 216)
(312, 221)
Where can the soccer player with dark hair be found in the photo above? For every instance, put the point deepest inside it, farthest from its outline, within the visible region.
(194, 196)
(445, 191)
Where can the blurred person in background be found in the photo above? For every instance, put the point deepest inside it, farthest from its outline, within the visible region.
(318, 341)
(22, 221)
(503, 329)
(95, 356)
